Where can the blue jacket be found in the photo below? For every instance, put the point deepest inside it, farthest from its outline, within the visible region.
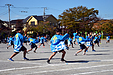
(82, 40)
(18, 42)
(57, 42)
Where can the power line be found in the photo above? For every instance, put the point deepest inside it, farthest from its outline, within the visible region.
(4, 14)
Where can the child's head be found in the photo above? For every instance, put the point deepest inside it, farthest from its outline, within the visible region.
(19, 29)
(33, 36)
(82, 34)
(58, 31)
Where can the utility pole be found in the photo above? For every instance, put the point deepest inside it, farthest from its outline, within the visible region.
(9, 13)
(44, 12)
(44, 19)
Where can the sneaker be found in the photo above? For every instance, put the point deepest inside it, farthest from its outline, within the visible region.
(67, 48)
(84, 53)
(94, 50)
(10, 59)
(43, 46)
(25, 58)
(7, 48)
(34, 51)
(48, 61)
(62, 59)
(86, 50)
(75, 54)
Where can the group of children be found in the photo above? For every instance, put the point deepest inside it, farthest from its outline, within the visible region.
(18, 40)
(58, 43)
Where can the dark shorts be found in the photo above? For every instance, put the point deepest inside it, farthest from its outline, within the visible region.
(96, 41)
(12, 43)
(65, 42)
(25, 41)
(60, 51)
(82, 46)
(33, 45)
(23, 48)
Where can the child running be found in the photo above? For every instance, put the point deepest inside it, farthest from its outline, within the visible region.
(108, 39)
(82, 41)
(70, 41)
(32, 43)
(58, 45)
(18, 45)
(11, 41)
(41, 41)
(96, 40)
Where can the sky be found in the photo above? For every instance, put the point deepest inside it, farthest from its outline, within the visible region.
(21, 9)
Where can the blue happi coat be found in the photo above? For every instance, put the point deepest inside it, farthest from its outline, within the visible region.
(32, 40)
(25, 38)
(82, 40)
(42, 40)
(18, 42)
(89, 41)
(69, 41)
(57, 42)
(11, 39)
(108, 37)
(74, 34)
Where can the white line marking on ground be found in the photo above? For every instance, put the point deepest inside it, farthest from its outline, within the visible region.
(93, 72)
(50, 65)
(66, 69)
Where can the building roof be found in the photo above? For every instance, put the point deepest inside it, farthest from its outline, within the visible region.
(15, 21)
(40, 18)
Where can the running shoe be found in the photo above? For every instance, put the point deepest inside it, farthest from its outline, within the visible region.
(86, 50)
(48, 61)
(75, 54)
(10, 59)
(62, 59)
(94, 50)
(67, 48)
(84, 53)
(25, 58)
(34, 51)
(7, 48)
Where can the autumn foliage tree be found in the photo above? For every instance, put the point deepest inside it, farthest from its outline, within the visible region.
(78, 18)
(107, 27)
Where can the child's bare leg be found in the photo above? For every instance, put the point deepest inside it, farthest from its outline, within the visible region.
(35, 49)
(85, 51)
(78, 52)
(52, 55)
(63, 54)
(29, 50)
(24, 53)
(14, 54)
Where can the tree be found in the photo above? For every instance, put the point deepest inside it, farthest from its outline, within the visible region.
(19, 23)
(78, 18)
(43, 27)
(107, 27)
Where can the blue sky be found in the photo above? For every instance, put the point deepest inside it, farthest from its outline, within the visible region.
(54, 7)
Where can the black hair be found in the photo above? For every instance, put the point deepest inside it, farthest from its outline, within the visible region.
(33, 36)
(19, 28)
(58, 30)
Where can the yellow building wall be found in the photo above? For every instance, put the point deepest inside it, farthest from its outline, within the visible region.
(33, 20)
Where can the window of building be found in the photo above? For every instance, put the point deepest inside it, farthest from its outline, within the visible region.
(33, 23)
